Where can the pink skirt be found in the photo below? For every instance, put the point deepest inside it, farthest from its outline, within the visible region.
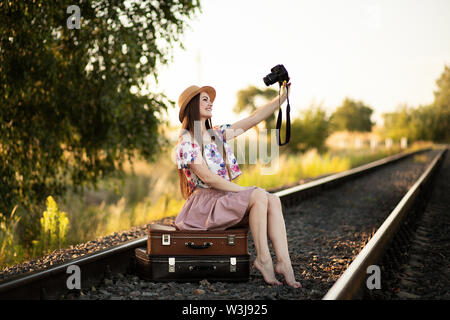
(212, 209)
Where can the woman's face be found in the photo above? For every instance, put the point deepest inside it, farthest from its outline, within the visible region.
(205, 106)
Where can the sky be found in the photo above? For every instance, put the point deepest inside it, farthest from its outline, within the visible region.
(384, 53)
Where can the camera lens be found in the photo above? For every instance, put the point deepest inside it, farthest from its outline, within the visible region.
(270, 79)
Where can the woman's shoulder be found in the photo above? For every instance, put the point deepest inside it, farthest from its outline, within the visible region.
(185, 140)
(184, 135)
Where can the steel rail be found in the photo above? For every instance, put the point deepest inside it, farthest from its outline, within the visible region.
(36, 285)
(350, 282)
(51, 283)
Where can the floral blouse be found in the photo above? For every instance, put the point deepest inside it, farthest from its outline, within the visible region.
(188, 151)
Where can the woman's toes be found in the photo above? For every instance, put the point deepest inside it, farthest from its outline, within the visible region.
(288, 274)
(295, 285)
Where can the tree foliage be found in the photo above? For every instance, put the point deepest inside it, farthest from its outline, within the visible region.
(352, 116)
(430, 122)
(310, 130)
(246, 101)
(67, 114)
(441, 108)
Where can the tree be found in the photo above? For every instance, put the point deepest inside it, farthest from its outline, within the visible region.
(402, 123)
(430, 122)
(352, 116)
(441, 108)
(67, 115)
(246, 99)
(310, 130)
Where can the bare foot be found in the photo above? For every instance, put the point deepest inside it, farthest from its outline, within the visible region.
(266, 270)
(286, 270)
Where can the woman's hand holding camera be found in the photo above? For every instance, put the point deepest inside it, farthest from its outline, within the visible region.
(285, 92)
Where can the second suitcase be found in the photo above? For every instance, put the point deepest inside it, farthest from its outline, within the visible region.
(167, 240)
(192, 268)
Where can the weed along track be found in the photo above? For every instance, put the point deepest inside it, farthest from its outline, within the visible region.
(328, 222)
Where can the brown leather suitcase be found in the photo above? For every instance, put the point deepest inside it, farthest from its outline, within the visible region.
(192, 268)
(167, 240)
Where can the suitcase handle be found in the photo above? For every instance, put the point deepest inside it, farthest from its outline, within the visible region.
(198, 246)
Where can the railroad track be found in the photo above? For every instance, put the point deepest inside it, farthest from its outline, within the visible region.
(52, 282)
(354, 280)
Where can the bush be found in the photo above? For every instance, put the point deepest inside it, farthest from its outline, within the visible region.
(54, 226)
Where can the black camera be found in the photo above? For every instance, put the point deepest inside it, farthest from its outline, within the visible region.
(277, 74)
(280, 74)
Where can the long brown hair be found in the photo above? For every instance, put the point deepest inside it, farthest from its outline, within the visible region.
(191, 114)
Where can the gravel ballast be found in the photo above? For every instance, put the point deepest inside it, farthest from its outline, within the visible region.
(325, 233)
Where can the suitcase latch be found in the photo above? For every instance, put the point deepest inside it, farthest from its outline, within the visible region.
(232, 264)
(231, 239)
(171, 264)
(166, 239)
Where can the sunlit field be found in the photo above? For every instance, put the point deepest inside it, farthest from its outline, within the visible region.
(150, 191)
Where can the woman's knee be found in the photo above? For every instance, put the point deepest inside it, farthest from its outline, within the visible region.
(274, 202)
(274, 199)
(258, 196)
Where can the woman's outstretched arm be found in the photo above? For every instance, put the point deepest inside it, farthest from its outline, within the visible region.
(257, 116)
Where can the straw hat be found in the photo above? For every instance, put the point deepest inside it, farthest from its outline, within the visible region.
(189, 93)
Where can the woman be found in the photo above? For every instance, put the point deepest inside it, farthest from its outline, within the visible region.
(213, 201)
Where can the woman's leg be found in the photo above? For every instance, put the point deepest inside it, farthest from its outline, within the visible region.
(277, 234)
(258, 226)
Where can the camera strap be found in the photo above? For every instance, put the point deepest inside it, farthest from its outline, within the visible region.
(288, 121)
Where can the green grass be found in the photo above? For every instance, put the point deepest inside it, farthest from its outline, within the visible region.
(292, 168)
